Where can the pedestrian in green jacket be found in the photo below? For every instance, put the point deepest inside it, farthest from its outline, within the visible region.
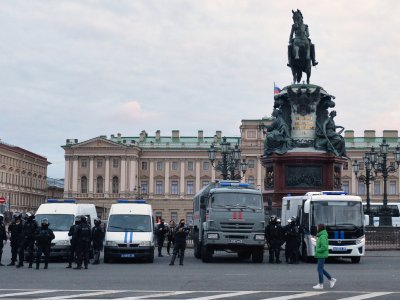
(321, 253)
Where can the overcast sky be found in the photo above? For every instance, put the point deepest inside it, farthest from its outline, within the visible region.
(80, 69)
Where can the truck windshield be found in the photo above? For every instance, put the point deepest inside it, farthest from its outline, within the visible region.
(239, 200)
(58, 222)
(337, 213)
(134, 223)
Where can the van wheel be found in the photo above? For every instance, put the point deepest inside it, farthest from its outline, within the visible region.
(151, 258)
(206, 254)
(355, 259)
(107, 258)
(197, 249)
(257, 255)
(244, 254)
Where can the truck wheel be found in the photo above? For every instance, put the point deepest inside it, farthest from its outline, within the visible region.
(355, 259)
(257, 255)
(197, 248)
(244, 254)
(206, 254)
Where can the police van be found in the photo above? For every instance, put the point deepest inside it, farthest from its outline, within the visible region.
(129, 231)
(61, 215)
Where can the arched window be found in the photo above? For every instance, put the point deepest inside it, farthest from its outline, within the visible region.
(84, 184)
(100, 185)
(115, 185)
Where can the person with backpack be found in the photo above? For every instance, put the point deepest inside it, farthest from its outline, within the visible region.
(43, 242)
(83, 237)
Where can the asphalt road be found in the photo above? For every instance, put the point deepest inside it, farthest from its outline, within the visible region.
(226, 277)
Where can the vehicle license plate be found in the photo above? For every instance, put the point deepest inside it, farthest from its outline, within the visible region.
(127, 255)
(236, 241)
(339, 248)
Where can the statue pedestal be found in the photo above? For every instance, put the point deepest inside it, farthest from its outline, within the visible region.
(297, 173)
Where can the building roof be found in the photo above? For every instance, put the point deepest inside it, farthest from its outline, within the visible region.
(20, 150)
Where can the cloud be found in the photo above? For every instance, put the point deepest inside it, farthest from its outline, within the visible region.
(131, 111)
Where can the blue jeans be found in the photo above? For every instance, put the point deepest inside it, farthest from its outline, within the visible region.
(321, 271)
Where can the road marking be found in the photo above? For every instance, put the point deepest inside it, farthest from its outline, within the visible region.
(220, 296)
(367, 296)
(163, 294)
(82, 295)
(296, 296)
(27, 293)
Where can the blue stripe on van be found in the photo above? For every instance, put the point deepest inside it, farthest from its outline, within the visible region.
(131, 237)
(126, 237)
(336, 235)
(342, 235)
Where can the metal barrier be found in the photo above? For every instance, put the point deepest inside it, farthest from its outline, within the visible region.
(382, 238)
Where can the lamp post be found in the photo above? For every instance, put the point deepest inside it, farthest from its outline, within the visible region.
(137, 192)
(230, 167)
(379, 164)
(366, 179)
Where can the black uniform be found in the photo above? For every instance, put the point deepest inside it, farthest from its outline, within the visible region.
(161, 231)
(43, 241)
(98, 238)
(3, 237)
(72, 250)
(292, 238)
(30, 230)
(180, 232)
(170, 238)
(274, 237)
(16, 241)
(82, 236)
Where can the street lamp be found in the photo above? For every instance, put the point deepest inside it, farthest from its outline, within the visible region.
(230, 167)
(136, 190)
(379, 164)
(366, 179)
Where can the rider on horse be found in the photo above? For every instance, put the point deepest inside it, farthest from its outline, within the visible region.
(300, 39)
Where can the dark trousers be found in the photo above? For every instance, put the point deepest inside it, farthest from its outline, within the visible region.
(179, 249)
(274, 252)
(82, 251)
(1, 250)
(170, 242)
(96, 255)
(45, 250)
(30, 246)
(14, 252)
(292, 252)
(71, 257)
(160, 243)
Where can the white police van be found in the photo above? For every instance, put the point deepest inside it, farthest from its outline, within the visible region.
(129, 234)
(61, 215)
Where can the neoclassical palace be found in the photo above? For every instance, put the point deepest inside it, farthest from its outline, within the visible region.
(167, 170)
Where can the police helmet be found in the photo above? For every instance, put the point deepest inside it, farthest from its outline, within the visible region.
(17, 216)
(272, 219)
(289, 221)
(45, 222)
(278, 220)
(29, 216)
(83, 219)
(1, 217)
(294, 219)
(77, 220)
(97, 221)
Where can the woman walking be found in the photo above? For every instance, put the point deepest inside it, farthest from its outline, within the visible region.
(321, 253)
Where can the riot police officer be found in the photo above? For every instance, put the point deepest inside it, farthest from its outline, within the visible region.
(292, 238)
(82, 237)
(72, 249)
(98, 238)
(16, 240)
(181, 232)
(30, 230)
(43, 242)
(274, 237)
(161, 231)
(3, 237)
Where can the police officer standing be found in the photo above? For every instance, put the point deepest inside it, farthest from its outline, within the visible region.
(170, 236)
(161, 231)
(98, 238)
(30, 230)
(72, 241)
(3, 237)
(16, 240)
(181, 232)
(292, 237)
(274, 237)
(43, 242)
(82, 236)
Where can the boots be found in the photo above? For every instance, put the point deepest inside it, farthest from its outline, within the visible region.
(181, 258)
(37, 265)
(46, 265)
(172, 259)
(69, 266)
(12, 263)
(30, 265)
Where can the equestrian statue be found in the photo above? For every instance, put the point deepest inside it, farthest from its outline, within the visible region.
(301, 52)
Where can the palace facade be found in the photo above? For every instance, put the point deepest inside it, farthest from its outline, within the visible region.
(168, 170)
